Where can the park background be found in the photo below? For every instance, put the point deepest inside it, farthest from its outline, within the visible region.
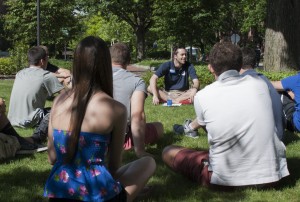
(151, 28)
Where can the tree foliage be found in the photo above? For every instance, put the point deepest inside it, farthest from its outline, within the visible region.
(58, 22)
(137, 13)
(109, 29)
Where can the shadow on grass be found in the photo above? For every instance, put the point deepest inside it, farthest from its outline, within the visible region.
(24, 188)
(292, 179)
(290, 137)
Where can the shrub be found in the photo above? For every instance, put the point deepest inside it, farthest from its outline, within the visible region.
(146, 77)
(204, 76)
(7, 66)
(18, 56)
(66, 64)
(276, 76)
(159, 54)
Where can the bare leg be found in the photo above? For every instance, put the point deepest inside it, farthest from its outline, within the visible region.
(169, 153)
(184, 96)
(159, 128)
(162, 94)
(135, 175)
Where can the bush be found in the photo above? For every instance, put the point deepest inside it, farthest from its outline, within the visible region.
(277, 76)
(204, 75)
(159, 54)
(66, 64)
(146, 77)
(206, 78)
(7, 66)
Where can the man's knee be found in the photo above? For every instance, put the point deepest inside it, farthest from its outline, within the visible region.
(159, 128)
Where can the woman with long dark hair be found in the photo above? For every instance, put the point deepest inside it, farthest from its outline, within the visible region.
(87, 125)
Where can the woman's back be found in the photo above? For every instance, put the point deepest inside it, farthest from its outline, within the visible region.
(99, 116)
(86, 174)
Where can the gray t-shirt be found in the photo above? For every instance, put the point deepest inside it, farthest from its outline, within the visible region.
(124, 84)
(31, 88)
(276, 103)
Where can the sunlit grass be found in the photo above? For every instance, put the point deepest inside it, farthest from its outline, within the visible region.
(23, 177)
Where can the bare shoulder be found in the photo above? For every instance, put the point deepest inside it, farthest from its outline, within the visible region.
(103, 104)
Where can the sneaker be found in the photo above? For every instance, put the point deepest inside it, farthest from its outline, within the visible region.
(178, 129)
(27, 148)
(25, 145)
(41, 148)
(185, 129)
(38, 148)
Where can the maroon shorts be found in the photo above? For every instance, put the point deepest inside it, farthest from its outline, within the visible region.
(194, 165)
(151, 136)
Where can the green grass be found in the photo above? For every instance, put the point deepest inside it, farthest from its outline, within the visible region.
(23, 177)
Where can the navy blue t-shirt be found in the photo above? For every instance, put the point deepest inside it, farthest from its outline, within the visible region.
(176, 79)
(51, 68)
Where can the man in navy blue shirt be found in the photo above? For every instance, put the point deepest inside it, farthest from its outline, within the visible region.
(176, 79)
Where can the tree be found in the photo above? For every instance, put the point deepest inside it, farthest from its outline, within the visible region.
(282, 42)
(189, 22)
(58, 22)
(138, 14)
(110, 29)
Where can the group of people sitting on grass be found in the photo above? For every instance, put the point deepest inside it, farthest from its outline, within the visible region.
(99, 112)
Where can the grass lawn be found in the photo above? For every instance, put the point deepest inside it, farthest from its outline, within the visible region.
(23, 177)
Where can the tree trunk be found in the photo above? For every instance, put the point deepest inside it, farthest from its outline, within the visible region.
(282, 43)
(140, 39)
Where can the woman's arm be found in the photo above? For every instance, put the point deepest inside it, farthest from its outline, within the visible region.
(117, 138)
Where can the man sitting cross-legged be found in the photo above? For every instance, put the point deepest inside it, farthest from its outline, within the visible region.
(176, 75)
(236, 112)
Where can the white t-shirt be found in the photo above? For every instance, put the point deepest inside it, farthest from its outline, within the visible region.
(244, 147)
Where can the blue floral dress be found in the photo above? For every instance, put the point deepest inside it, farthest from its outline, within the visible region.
(85, 179)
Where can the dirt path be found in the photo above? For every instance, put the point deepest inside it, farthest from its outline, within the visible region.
(137, 69)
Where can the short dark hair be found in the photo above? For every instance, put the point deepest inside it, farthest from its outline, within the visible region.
(249, 58)
(120, 53)
(175, 49)
(225, 56)
(35, 54)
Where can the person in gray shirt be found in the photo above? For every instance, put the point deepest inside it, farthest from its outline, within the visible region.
(30, 90)
(130, 90)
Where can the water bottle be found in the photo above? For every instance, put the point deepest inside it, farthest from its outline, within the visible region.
(169, 100)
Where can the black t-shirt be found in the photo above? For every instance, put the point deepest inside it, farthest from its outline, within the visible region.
(52, 68)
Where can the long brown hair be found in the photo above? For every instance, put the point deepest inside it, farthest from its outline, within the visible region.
(92, 72)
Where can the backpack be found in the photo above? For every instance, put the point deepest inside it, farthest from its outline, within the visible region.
(9, 145)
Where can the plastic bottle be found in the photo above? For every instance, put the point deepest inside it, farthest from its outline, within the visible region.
(169, 100)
